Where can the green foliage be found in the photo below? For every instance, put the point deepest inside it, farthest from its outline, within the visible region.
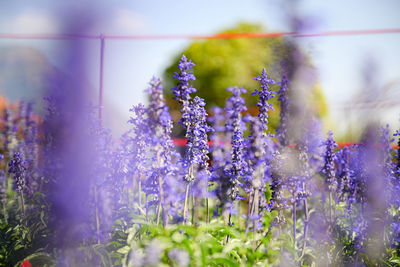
(205, 245)
(26, 238)
(222, 63)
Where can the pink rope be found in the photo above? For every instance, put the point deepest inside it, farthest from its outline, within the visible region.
(194, 36)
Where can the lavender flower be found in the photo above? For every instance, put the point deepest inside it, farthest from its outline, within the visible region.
(3, 188)
(397, 133)
(217, 136)
(184, 89)
(160, 123)
(396, 176)
(8, 132)
(329, 168)
(281, 130)
(220, 151)
(237, 167)
(197, 148)
(3, 194)
(387, 165)
(395, 238)
(141, 139)
(265, 95)
(343, 173)
(17, 168)
(357, 188)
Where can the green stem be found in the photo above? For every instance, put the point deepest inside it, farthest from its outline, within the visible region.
(230, 224)
(193, 209)
(330, 210)
(97, 215)
(21, 194)
(5, 212)
(147, 209)
(294, 223)
(255, 213)
(161, 202)
(4, 201)
(249, 214)
(186, 203)
(208, 211)
(140, 191)
(306, 220)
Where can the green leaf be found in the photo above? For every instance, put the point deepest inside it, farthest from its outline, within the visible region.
(124, 250)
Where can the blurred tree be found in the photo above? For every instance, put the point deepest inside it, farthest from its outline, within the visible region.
(222, 63)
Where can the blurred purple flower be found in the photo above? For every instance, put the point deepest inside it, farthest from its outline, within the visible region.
(281, 130)
(181, 257)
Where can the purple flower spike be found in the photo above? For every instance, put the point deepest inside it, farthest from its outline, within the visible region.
(329, 168)
(17, 168)
(237, 167)
(265, 95)
(184, 89)
(197, 148)
(282, 129)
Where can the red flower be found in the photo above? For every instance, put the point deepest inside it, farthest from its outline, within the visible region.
(26, 263)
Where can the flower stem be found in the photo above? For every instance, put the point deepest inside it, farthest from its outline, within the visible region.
(230, 224)
(255, 213)
(21, 194)
(186, 203)
(306, 220)
(330, 209)
(161, 202)
(147, 209)
(140, 191)
(97, 215)
(249, 214)
(208, 211)
(5, 212)
(294, 223)
(193, 209)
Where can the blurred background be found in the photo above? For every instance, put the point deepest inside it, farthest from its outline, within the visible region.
(355, 77)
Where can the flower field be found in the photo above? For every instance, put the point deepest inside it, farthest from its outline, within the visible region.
(237, 194)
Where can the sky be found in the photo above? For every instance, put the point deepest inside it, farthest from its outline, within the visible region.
(129, 64)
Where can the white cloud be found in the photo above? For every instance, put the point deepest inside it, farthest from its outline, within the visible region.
(30, 22)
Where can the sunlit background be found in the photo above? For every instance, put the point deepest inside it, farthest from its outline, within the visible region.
(359, 74)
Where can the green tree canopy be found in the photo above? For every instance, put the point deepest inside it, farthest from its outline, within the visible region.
(222, 63)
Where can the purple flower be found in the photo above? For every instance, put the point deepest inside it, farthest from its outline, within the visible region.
(255, 155)
(141, 139)
(396, 176)
(183, 90)
(153, 253)
(282, 129)
(265, 94)
(197, 148)
(343, 172)
(329, 166)
(3, 186)
(217, 137)
(17, 167)
(160, 123)
(237, 167)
